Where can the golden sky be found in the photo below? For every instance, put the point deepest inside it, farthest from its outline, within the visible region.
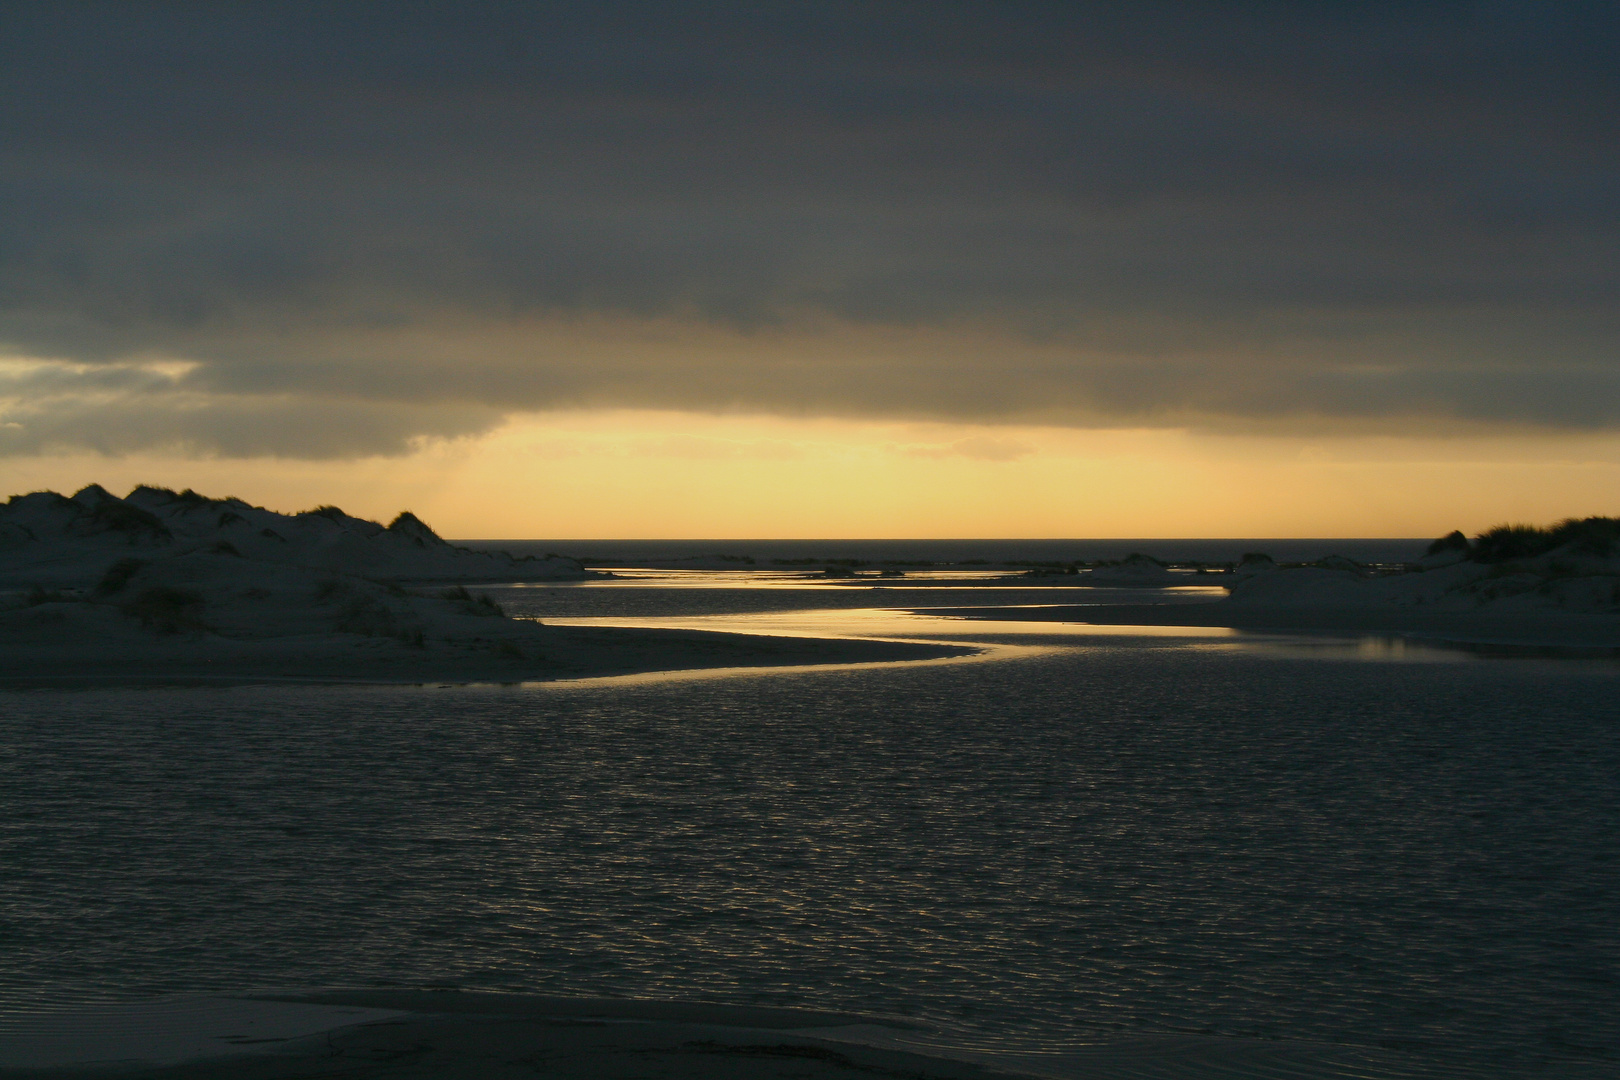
(646, 474)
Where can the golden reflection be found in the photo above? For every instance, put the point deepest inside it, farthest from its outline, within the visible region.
(891, 624)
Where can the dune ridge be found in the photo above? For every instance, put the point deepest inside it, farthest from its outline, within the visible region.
(53, 540)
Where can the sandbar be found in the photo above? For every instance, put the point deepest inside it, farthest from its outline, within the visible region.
(1528, 630)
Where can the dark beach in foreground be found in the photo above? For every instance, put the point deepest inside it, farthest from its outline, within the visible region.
(452, 1035)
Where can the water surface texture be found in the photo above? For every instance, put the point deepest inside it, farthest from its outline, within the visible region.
(1111, 834)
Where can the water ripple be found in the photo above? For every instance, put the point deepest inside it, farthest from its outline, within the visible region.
(1096, 840)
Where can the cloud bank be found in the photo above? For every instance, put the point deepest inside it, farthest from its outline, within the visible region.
(327, 230)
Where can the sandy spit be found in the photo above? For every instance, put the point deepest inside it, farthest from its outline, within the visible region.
(524, 652)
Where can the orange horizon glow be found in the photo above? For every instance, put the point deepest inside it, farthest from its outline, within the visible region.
(626, 474)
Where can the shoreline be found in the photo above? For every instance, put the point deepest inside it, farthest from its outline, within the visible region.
(1541, 629)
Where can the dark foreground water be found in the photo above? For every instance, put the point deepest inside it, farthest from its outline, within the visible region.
(1120, 835)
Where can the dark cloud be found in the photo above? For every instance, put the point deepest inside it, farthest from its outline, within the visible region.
(1144, 212)
(117, 409)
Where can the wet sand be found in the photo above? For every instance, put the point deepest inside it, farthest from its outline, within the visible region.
(534, 653)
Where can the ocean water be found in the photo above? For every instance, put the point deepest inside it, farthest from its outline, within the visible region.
(1080, 835)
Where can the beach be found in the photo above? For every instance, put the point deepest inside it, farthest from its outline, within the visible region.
(809, 541)
(450, 1035)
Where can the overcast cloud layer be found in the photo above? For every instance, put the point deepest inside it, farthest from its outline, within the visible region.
(327, 230)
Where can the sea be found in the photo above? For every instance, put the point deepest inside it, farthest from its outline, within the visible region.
(1079, 834)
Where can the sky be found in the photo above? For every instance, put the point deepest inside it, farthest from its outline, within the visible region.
(820, 269)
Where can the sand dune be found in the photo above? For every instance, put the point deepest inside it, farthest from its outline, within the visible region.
(55, 541)
(164, 586)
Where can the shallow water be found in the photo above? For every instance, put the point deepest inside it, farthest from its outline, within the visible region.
(1114, 832)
